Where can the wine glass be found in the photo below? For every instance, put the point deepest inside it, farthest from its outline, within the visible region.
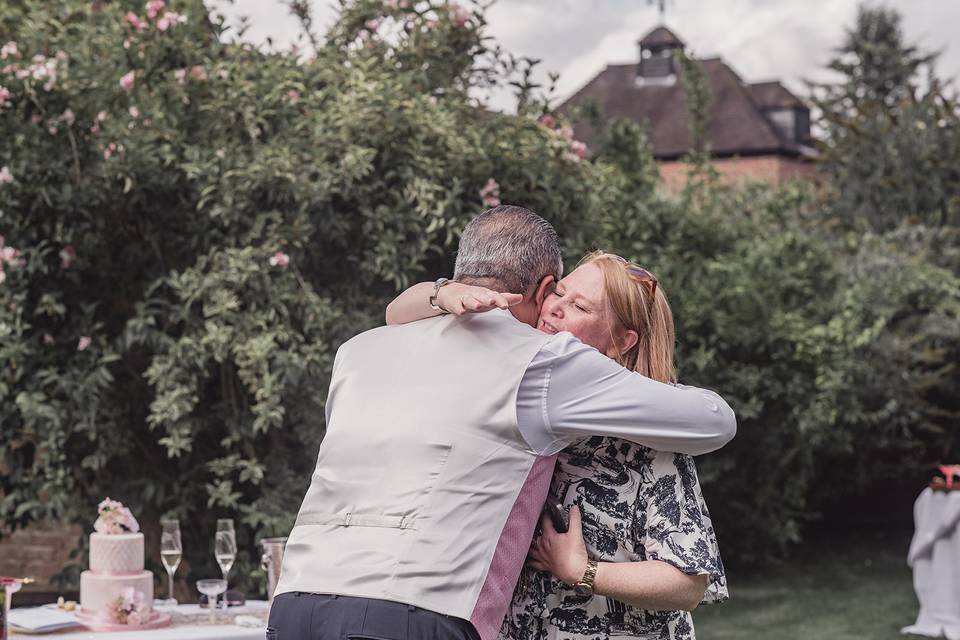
(171, 552)
(212, 588)
(225, 549)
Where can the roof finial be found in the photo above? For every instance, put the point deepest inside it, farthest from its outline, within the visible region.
(662, 5)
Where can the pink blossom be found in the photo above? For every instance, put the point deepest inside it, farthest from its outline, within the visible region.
(547, 121)
(11, 256)
(430, 24)
(279, 259)
(48, 339)
(9, 49)
(83, 343)
(154, 7)
(67, 256)
(5, 176)
(10, 68)
(197, 72)
(68, 117)
(101, 116)
(126, 43)
(126, 82)
(169, 19)
(578, 150)
(4, 95)
(180, 75)
(372, 25)
(294, 96)
(128, 521)
(60, 55)
(393, 5)
(134, 112)
(490, 193)
(134, 21)
(459, 15)
(134, 619)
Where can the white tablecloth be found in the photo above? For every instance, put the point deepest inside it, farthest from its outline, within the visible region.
(175, 631)
(935, 557)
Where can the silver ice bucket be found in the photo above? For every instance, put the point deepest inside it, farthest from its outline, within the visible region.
(271, 561)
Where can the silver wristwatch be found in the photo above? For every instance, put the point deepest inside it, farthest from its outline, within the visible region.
(436, 289)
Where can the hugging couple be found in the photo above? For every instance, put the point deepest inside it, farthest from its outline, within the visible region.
(483, 400)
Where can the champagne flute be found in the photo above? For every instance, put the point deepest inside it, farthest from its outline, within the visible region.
(212, 589)
(171, 551)
(225, 549)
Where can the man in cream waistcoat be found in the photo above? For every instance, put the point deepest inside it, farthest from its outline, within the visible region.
(440, 444)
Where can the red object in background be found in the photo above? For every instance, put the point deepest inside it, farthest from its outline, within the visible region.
(949, 471)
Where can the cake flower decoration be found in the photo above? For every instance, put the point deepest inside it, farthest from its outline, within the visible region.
(115, 518)
(127, 609)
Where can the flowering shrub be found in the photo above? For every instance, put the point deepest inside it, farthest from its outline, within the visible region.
(192, 226)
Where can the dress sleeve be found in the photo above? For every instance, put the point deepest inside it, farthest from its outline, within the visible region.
(674, 525)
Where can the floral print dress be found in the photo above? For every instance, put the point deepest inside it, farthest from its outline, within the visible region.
(637, 504)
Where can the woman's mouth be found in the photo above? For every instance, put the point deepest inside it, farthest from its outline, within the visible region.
(547, 327)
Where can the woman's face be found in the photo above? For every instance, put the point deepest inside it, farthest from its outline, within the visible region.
(577, 305)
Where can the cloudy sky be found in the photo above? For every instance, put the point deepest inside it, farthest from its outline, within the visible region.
(761, 39)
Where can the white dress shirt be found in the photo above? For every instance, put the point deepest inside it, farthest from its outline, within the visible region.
(572, 391)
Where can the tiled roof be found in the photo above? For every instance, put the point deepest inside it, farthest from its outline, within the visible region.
(736, 125)
(659, 37)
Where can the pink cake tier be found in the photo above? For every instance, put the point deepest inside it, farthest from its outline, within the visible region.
(116, 562)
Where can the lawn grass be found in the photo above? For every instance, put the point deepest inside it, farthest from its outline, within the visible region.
(841, 587)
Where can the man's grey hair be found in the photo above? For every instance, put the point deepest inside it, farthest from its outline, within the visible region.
(511, 246)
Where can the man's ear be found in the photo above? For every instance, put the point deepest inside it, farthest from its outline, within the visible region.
(546, 285)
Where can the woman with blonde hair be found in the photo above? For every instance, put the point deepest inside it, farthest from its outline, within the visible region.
(640, 552)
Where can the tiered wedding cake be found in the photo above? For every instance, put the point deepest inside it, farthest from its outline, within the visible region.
(116, 590)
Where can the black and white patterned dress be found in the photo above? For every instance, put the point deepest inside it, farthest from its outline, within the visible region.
(637, 504)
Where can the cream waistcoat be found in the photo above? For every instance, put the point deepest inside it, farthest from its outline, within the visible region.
(425, 492)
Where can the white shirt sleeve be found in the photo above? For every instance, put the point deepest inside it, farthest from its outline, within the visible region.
(572, 391)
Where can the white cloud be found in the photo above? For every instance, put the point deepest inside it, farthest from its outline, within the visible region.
(761, 39)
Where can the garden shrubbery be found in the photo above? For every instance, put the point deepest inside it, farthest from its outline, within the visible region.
(192, 226)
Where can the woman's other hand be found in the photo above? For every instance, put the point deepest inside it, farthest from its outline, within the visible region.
(458, 299)
(562, 554)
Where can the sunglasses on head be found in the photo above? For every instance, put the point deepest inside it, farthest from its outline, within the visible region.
(637, 273)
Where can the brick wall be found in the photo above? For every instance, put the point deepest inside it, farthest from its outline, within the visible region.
(37, 552)
(737, 171)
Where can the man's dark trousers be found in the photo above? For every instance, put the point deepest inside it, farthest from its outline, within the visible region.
(310, 616)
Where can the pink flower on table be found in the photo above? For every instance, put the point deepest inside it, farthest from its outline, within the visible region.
(67, 256)
(949, 471)
(126, 81)
(9, 50)
(279, 259)
(134, 21)
(197, 72)
(4, 96)
(5, 178)
(154, 7)
(83, 343)
(134, 619)
(459, 15)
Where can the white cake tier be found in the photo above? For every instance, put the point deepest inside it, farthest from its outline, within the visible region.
(98, 591)
(119, 553)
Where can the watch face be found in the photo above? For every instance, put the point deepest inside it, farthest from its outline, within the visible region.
(583, 590)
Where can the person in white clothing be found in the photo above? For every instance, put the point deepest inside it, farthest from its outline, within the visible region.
(440, 444)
